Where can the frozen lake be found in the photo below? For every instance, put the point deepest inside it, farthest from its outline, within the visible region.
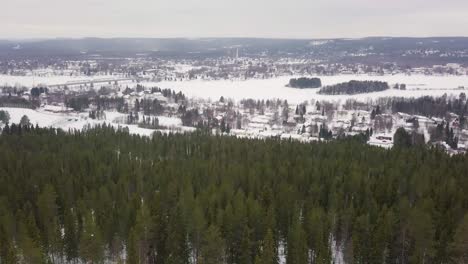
(417, 85)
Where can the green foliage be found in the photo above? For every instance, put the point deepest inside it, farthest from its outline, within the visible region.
(296, 247)
(25, 121)
(267, 253)
(212, 249)
(91, 247)
(401, 138)
(460, 243)
(89, 195)
(4, 117)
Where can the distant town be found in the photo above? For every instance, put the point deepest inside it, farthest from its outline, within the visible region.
(91, 89)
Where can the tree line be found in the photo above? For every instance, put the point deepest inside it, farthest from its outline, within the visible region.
(431, 106)
(354, 87)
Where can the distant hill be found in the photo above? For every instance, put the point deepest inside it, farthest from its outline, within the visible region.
(331, 50)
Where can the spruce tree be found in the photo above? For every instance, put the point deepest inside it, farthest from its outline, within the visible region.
(460, 242)
(267, 253)
(297, 245)
(176, 246)
(91, 247)
(212, 248)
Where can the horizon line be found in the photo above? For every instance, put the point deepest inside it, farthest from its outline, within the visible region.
(225, 37)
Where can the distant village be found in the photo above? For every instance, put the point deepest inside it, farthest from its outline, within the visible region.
(165, 110)
(233, 66)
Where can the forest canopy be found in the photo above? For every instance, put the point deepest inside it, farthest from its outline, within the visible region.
(102, 194)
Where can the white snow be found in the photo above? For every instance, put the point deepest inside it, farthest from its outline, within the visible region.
(169, 121)
(417, 85)
(337, 251)
(35, 117)
(79, 120)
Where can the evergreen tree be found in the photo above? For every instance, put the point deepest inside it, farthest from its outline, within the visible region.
(297, 245)
(318, 236)
(198, 225)
(267, 253)
(133, 256)
(24, 121)
(70, 234)
(4, 117)
(212, 249)
(176, 246)
(401, 138)
(460, 243)
(29, 242)
(246, 246)
(47, 211)
(91, 246)
(142, 232)
(422, 234)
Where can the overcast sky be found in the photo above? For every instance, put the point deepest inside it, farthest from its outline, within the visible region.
(232, 18)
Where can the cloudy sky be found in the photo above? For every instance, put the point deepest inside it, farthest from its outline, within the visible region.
(232, 18)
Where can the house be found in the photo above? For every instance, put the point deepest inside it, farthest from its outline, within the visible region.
(381, 140)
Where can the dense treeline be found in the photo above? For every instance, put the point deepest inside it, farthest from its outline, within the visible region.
(149, 107)
(431, 106)
(37, 91)
(354, 87)
(105, 103)
(305, 83)
(10, 101)
(78, 103)
(104, 194)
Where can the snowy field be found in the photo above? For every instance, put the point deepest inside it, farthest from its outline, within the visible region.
(417, 85)
(78, 121)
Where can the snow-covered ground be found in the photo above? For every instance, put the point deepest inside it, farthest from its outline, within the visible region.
(116, 117)
(78, 121)
(42, 118)
(417, 85)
